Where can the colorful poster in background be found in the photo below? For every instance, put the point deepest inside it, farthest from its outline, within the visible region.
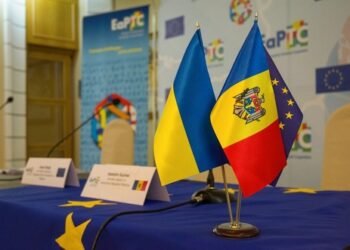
(304, 45)
(115, 60)
(113, 105)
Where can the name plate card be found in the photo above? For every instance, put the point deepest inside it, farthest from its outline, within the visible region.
(126, 184)
(51, 172)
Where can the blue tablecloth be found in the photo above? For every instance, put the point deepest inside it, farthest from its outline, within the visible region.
(31, 218)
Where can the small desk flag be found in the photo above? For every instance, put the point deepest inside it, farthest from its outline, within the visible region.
(185, 143)
(289, 113)
(246, 119)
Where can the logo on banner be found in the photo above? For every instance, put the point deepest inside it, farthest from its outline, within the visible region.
(133, 22)
(294, 39)
(240, 11)
(302, 142)
(214, 52)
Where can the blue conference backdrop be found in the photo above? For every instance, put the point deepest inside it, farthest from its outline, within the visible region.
(115, 60)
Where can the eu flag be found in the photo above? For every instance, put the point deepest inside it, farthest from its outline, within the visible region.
(333, 79)
(289, 113)
(175, 27)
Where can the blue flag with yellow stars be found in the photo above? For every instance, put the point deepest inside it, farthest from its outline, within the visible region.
(289, 113)
(333, 79)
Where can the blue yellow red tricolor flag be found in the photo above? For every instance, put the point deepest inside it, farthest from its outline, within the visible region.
(185, 143)
(139, 185)
(246, 120)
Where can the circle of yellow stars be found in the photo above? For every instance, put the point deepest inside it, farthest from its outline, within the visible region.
(290, 102)
(333, 85)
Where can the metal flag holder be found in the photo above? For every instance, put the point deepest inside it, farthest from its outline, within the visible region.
(235, 228)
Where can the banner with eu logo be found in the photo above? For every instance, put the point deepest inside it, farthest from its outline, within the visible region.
(333, 79)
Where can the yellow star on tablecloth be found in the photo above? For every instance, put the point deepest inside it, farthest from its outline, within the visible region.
(87, 204)
(300, 190)
(231, 191)
(72, 237)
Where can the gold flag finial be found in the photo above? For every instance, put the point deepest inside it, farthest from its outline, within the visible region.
(197, 25)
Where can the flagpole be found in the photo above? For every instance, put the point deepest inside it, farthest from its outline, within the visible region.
(238, 209)
(212, 194)
(227, 195)
(235, 228)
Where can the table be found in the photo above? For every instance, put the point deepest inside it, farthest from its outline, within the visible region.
(9, 181)
(32, 218)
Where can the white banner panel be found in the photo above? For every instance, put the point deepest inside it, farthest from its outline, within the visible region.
(308, 40)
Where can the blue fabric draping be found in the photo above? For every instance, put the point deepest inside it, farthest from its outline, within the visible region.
(31, 218)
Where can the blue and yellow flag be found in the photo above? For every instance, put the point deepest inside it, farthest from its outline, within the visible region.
(184, 143)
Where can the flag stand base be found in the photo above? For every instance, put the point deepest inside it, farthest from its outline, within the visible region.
(243, 230)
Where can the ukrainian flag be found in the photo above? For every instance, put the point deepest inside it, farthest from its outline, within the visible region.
(185, 143)
(245, 118)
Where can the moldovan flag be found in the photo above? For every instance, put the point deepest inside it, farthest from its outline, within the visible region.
(245, 118)
(185, 143)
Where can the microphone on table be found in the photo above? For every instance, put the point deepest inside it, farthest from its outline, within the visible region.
(210, 194)
(114, 102)
(9, 100)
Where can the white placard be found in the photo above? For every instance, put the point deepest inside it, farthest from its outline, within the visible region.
(51, 172)
(127, 184)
